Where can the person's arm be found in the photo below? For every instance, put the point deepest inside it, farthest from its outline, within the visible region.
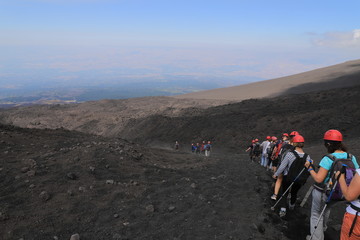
(318, 177)
(248, 149)
(352, 191)
(283, 165)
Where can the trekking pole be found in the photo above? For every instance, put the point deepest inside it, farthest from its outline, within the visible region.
(277, 202)
(306, 196)
(323, 211)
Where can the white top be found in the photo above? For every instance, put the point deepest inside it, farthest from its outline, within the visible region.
(264, 145)
(355, 203)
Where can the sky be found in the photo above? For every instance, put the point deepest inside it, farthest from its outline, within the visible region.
(91, 42)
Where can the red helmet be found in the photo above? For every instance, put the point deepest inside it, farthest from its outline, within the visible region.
(333, 135)
(285, 134)
(253, 141)
(268, 138)
(273, 138)
(298, 139)
(294, 133)
(256, 140)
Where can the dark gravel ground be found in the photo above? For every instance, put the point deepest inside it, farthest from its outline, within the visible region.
(58, 182)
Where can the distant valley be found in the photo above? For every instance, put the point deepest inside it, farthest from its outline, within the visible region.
(77, 93)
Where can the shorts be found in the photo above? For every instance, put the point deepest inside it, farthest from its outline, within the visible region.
(275, 162)
(346, 225)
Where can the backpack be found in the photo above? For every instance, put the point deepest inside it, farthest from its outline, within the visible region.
(335, 194)
(256, 148)
(270, 149)
(296, 167)
(207, 147)
(285, 148)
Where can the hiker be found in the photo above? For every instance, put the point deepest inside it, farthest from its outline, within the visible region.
(264, 156)
(285, 147)
(193, 148)
(350, 229)
(203, 147)
(333, 143)
(208, 148)
(270, 151)
(277, 149)
(250, 150)
(291, 166)
(198, 148)
(256, 150)
(177, 145)
(281, 150)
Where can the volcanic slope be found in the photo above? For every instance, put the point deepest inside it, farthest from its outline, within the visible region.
(341, 75)
(232, 126)
(59, 182)
(105, 117)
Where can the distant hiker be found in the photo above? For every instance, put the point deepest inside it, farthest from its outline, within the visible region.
(193, 148)
(203, 147)
(177, 145)
(264, 156)
(276, 153)
(324, 180)
(208, 148)
(351, 222)
(256, 150)
(198, 148)
(250, 150)
(270, 150)
(293, 171)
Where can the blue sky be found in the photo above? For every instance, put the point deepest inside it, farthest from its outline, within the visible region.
(62, 41)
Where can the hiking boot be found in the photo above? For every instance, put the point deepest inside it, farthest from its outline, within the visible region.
(282, 212)
(274, 197)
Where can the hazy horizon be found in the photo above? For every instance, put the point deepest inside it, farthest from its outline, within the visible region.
(172, 47)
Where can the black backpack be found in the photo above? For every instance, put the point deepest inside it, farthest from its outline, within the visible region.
(257, 148)
(270, 149)
(296, 167)
(285, 148)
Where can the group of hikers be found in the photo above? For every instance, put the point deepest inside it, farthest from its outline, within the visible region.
(337, 178)
(203, 148)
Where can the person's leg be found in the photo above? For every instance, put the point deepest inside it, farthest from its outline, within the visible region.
(282, 204)
(294, 191)
(265, 161)
(262, 160)
(278, 185)
(318, 200)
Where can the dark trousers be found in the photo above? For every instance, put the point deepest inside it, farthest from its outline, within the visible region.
(294, 190)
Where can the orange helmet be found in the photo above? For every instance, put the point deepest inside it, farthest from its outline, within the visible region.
(298, 139)
(294, 133)
(333, 135)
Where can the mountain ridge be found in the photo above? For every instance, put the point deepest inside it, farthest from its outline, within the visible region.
(343, 75)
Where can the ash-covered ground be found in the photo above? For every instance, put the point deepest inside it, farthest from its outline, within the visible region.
(55, 183)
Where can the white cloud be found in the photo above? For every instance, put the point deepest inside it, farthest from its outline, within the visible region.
(350, 39)
(356, 35)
